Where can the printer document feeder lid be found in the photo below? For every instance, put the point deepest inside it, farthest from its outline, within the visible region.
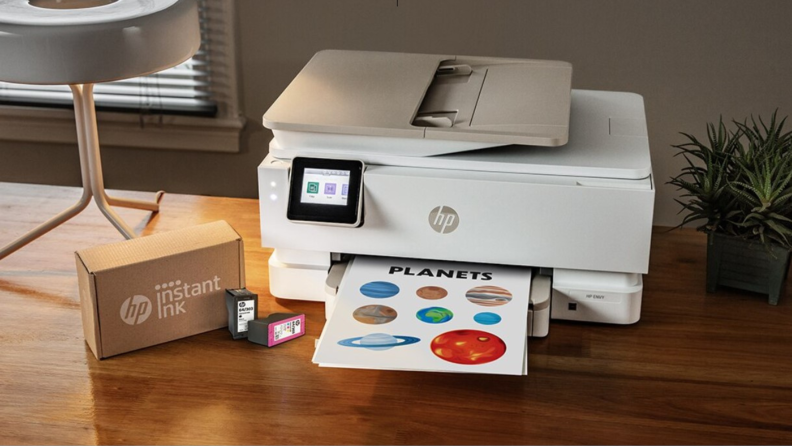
(607, 139)
(476, 101)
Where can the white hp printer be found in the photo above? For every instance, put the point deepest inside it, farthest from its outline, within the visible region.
(469, 159)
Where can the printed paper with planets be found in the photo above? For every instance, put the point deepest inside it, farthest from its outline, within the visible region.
(406, 314)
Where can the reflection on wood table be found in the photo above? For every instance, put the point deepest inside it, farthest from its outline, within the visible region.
(697, 368)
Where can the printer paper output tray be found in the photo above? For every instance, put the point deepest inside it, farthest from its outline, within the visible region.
(574, 295)
(429, 316)
(538, 309)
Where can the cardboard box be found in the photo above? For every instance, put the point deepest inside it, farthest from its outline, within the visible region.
(155, 289)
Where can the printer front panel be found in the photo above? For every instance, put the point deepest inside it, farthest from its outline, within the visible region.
(482, 217)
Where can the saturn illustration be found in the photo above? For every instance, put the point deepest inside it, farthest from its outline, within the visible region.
(378, 341)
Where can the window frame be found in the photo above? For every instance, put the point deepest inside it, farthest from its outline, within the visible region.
(220, 133)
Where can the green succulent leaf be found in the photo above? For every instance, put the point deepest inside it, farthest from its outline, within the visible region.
(739, 181)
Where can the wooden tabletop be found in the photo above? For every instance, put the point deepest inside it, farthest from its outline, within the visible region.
(697, 368)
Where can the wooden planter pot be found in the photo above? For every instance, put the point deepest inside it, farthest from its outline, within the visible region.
(747, 265)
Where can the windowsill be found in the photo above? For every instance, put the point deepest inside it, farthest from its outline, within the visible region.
(166, 132)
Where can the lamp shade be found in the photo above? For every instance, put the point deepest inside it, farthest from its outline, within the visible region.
(91, 41)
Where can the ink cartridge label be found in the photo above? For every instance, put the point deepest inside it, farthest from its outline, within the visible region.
(286, 330)
(289, 326)
(276, 328)
(245, 313)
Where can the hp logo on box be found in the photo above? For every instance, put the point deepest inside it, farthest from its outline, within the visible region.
(443, 219)
(136, 309)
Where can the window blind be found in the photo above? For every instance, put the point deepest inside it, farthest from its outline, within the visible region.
(184, 89)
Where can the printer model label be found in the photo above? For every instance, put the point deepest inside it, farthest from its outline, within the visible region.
(444, 219)
(595, 296)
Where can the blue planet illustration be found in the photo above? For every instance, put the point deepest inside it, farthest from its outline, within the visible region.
(487, 318)
(379, 290)
(378, 341)
(434, 315)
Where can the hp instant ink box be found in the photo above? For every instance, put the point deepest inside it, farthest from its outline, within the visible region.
(158, 288)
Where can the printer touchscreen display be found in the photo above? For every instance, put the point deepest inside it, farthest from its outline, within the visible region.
(325, 186)
(326, 191)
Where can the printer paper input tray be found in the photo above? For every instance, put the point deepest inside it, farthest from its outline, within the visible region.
(467, 102)
(608, 139)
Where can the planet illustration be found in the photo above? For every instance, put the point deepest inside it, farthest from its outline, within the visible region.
(487, 318)
(378, 341)
(489, 296)
(379, 290)
(375, 314)
(468, 347)
(434, 315)
(431, 292)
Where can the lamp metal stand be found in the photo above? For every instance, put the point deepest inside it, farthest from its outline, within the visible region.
(92, 179)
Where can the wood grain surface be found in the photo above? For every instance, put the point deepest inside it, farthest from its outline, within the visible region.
(697, 368)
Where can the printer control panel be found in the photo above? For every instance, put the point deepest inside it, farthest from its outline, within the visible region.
(326, 191)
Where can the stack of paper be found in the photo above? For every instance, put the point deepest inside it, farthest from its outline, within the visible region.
(405, 314)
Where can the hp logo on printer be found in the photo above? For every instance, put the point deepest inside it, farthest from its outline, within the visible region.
(443, 219)
(136, 309)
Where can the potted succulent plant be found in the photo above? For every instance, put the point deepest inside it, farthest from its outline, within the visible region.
(738, 185)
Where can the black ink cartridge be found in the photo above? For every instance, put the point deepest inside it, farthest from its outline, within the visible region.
(242, 308)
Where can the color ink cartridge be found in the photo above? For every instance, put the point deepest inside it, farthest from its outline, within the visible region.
(276, 328)
(242, 308)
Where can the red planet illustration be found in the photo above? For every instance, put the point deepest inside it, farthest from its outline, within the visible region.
(468, 347)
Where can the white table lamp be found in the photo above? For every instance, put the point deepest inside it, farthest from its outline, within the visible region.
(83, 42)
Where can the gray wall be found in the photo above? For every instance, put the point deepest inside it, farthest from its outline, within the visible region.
(691, 60)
